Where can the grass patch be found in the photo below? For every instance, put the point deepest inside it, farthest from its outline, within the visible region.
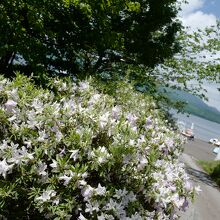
(212, 168)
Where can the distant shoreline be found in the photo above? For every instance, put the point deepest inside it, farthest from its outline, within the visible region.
(204, 117)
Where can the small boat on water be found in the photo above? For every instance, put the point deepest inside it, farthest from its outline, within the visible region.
(186, 132)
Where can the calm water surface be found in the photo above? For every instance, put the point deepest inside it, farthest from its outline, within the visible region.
(203, 129)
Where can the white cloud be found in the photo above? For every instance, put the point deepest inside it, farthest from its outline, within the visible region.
(191, 7)
(193, 16)
(199, 19)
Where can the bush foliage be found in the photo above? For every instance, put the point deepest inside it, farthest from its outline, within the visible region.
(212, 168)
(74, 152)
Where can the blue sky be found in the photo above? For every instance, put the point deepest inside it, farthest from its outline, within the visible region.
(212, 7)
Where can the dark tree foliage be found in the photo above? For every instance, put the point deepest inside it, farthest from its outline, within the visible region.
(85, 37)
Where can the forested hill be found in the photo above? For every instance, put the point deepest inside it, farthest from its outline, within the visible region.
(195, 105)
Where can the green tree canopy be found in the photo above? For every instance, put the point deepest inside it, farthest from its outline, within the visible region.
(83, 37)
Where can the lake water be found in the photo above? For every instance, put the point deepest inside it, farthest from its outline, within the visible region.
(203, 129)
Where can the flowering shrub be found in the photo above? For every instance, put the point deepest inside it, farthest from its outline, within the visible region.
(73, 152)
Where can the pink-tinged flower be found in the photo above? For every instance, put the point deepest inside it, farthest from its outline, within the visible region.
(10, 105)
(116, 110)
(132, 119)
(185, 205)
(148, 121)
(5, 168)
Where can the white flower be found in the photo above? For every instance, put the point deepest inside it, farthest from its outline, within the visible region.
(38, 105)
(66, 178)
(54, 165)
(92, 206)
(46, 196)
(42, 136)
(101, 217)
(131, 142)
(41, 167)
(141, 139)
(94, 99)
(83, 85)
(56, 201)
(4, 145)
(81, 217)
(87, 192)
(5, 168)
(101, 159)
(20, 155)
(111, 205)
(69, 106)
(28, 143)
(59, 136)
(12, 118)
(103, 120)
(143, 162)
(100, 190)
(74, 154)
(120, 193)
(81, 183)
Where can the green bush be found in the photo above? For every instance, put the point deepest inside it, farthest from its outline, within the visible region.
(74, 152)
(212, 168)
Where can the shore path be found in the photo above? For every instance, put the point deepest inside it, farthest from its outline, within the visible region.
(207, 204)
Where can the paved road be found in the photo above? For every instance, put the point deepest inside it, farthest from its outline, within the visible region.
(206, 204)
(200, 150)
